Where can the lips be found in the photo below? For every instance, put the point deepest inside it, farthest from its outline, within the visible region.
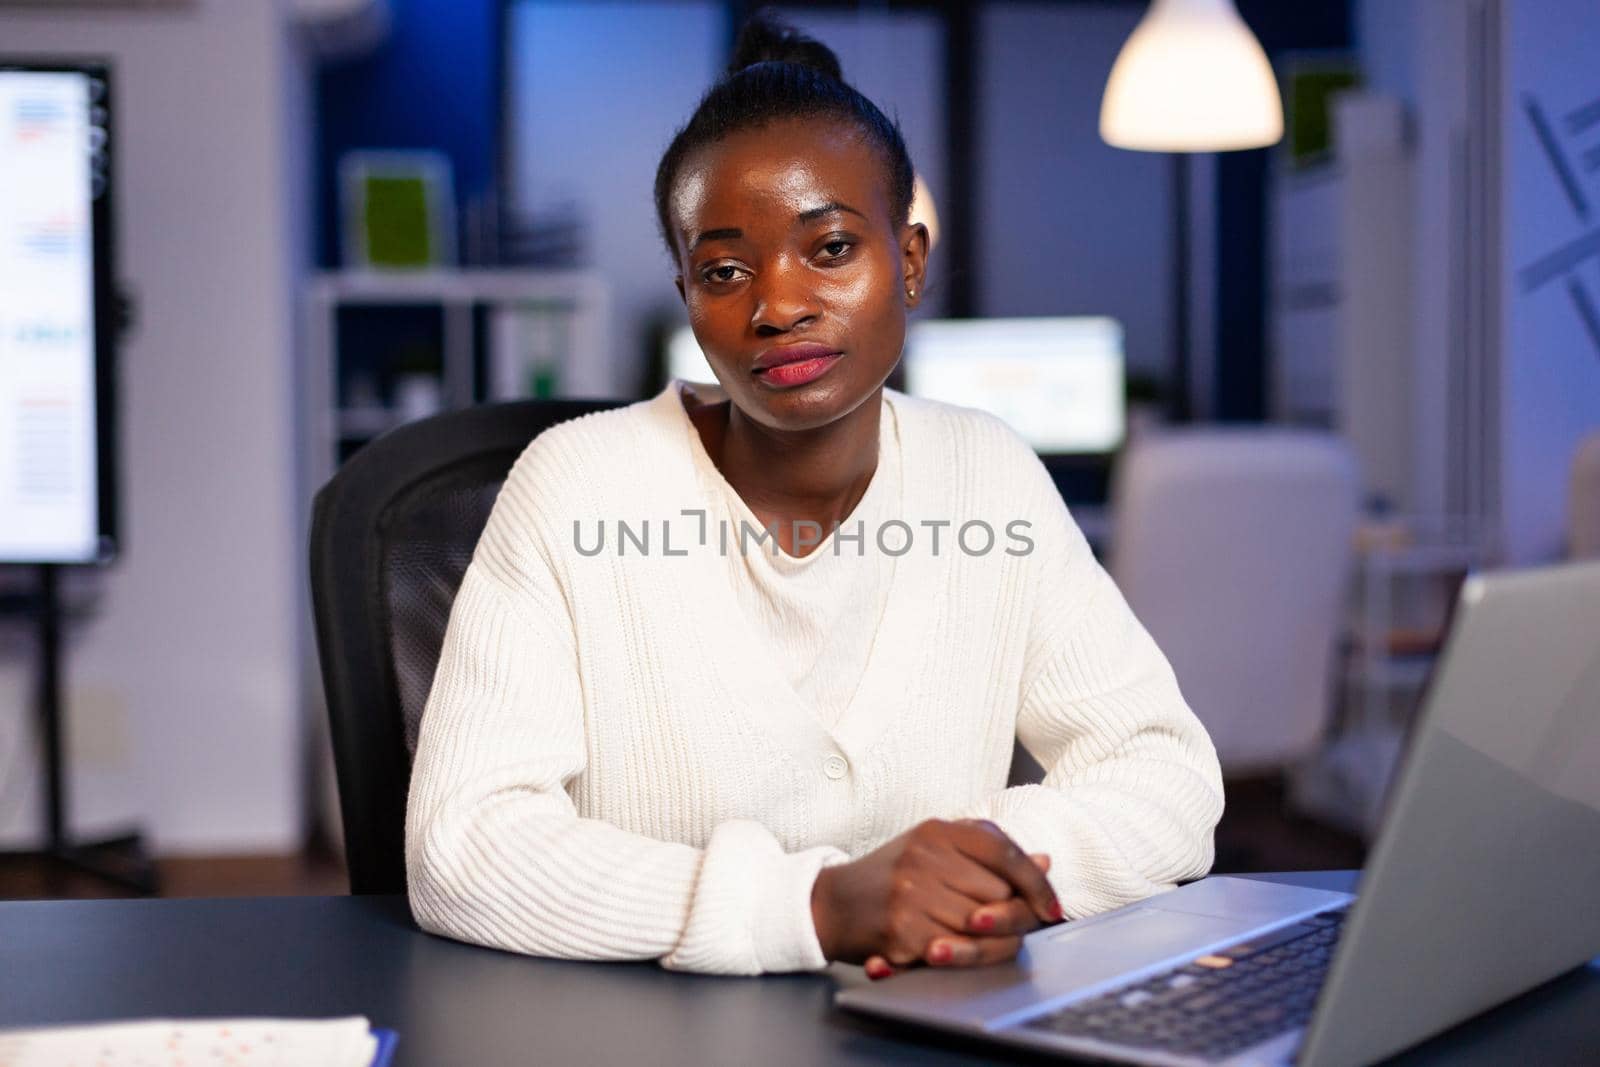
(797, 353)
(788, 375)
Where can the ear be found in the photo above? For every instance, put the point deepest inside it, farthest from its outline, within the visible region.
(913, 261)
(678, 281)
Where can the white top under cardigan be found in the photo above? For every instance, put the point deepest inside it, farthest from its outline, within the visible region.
(817, 614)
(648, 751)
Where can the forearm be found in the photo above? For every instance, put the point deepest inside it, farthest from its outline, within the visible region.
(498, 859)
(555, 885)
(507, 874)
(496, 851)
(1120, 831)
(1132, 791)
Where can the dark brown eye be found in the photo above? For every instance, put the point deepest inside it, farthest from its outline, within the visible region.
(725, 273)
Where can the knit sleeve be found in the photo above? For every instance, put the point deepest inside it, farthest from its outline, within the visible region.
(1132, 790)
(496, 853)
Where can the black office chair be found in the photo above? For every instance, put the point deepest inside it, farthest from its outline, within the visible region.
(391, 536)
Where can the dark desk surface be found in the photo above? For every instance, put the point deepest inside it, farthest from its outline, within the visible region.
(73, 961)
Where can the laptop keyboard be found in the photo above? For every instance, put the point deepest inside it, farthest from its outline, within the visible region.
(1218, 1004)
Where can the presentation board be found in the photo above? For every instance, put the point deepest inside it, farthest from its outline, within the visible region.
(57, 497)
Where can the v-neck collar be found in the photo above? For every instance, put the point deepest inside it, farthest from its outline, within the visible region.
(872, 501)
(746, 666)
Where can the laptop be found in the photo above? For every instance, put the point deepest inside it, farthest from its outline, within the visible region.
(1481, 885)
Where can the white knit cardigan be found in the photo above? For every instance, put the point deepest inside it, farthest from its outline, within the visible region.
(612, 766)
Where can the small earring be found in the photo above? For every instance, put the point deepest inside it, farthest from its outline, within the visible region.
(912, 293)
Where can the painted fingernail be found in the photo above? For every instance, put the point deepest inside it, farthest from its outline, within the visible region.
(1055, 910)
(984, 920)
(876, 970)
(939, 953)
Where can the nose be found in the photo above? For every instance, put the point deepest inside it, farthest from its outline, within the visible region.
(785, 300)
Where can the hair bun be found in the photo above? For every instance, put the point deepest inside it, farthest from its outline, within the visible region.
(765, 38)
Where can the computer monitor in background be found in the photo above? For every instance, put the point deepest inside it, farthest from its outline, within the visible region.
(56, 314)
(685, 361)
(1058, 382)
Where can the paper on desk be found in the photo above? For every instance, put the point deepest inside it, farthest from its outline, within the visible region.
(195, 1043)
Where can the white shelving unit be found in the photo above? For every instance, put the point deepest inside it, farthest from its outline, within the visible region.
(1305, 294)
(1404, 590)
(587, 366)
(1341, 310)
(1406, 576)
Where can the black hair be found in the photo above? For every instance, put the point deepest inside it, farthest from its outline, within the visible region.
(779, 73)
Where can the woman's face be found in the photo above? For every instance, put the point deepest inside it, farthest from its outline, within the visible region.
(793, 271)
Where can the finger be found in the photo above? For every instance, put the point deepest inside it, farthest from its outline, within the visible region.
(988, 844)
(974, 880)
(878, 968)
(957, 951)
(985, 841)
(953, 910)
(908, 939)
(1007, 917)
(1040, 860)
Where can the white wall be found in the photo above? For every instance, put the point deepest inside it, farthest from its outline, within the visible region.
(184, 691)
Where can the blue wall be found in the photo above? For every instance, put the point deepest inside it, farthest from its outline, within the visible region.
(432, 83)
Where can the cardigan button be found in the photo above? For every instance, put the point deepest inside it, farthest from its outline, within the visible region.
(835, 767)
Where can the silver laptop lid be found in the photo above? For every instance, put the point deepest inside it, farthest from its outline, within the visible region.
(1486, 879)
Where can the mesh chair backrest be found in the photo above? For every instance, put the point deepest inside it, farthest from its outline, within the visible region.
(427, 537)
(391, 538)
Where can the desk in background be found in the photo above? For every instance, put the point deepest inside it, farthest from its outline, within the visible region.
(78, 961)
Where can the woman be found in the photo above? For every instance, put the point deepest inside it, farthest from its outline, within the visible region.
(733, 679)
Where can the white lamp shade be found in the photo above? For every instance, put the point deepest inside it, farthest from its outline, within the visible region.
(1191, 78)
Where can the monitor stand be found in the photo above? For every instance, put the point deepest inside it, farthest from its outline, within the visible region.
(119, 860)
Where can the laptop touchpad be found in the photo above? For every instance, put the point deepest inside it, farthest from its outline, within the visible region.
(1059, 961)
(1142, 936)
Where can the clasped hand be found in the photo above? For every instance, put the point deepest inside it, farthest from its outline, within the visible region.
(944, 893)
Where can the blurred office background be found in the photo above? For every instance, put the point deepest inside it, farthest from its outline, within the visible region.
(1343, 369)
